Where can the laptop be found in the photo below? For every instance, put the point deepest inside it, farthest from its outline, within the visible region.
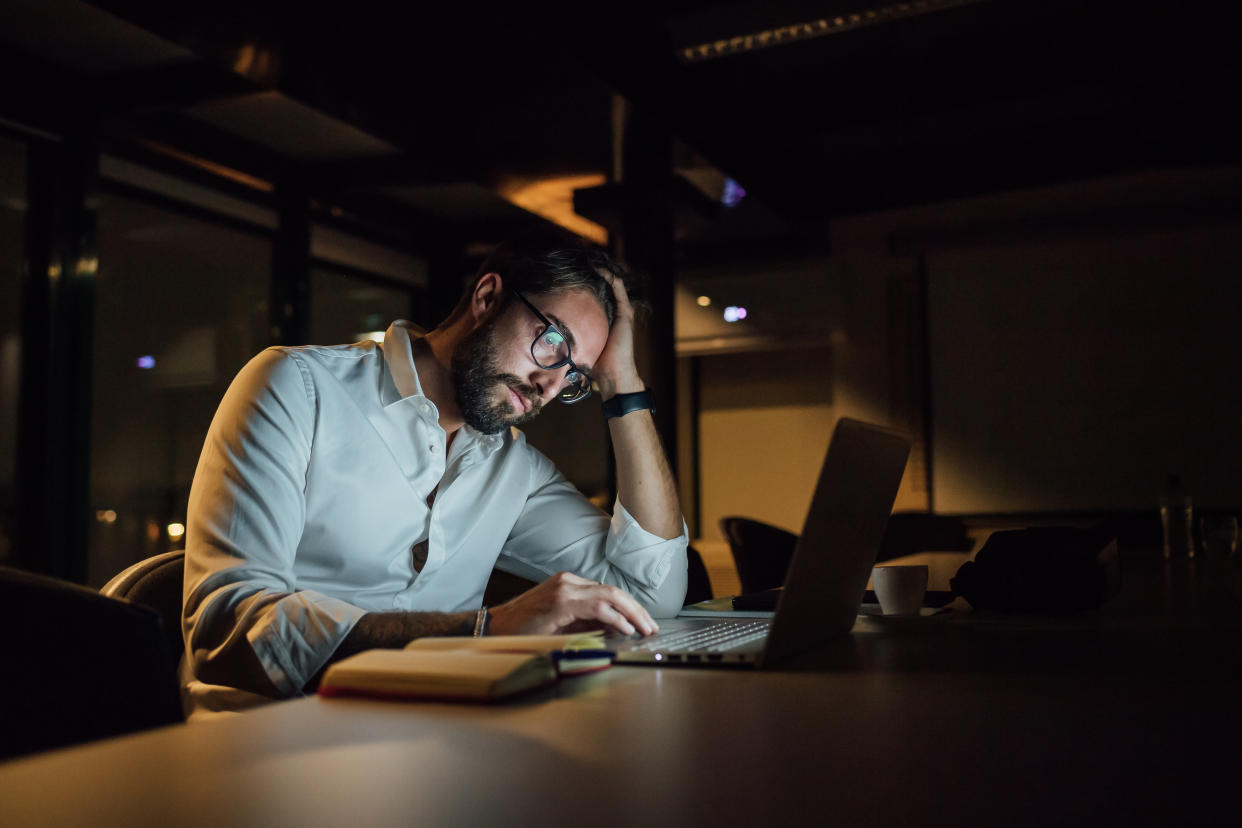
(827, 575)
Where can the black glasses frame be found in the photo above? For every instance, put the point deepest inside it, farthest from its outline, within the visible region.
(559, 363)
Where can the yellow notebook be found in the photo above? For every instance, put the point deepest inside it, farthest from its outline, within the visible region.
(481, 669)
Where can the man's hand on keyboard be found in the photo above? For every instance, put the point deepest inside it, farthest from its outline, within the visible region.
(565, 603)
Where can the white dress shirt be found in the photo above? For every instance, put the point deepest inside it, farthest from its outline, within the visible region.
(324, 492)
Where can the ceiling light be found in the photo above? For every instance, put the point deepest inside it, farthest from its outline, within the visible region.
(553, 198)
(779, 35)
(704, 301)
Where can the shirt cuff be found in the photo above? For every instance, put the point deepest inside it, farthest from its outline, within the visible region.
(300, 635)
(643, 556)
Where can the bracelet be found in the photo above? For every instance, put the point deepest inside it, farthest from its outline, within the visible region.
(480, 622)
(621, 404)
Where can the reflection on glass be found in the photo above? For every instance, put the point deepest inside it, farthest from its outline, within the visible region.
(181, 305)
(12, 247)
(347, 308)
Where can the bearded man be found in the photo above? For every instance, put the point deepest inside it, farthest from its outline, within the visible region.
(359, 496)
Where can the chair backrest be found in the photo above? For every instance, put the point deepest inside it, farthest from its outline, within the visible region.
(155, 582)
(698, 585)
(78, 666)
(761, 551)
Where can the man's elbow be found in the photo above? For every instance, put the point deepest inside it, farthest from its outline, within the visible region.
(668, 600)
(234, 666)
(667, 608)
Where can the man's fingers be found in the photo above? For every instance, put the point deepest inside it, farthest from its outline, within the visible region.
(609, 615)
(607, 604)
(623, 295)
(580, 599)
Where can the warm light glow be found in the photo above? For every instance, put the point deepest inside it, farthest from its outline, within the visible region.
(105, 516)
(176, 531)
(704, 301)
(374, 336)
(553, 198)
(257, 63)
(211, 166)
(153, 531)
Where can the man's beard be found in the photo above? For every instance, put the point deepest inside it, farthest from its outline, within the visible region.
(476, 374)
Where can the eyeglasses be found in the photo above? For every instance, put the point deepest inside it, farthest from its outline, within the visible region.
(550, 349)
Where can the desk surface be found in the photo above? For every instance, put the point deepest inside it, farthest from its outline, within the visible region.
(965, 720)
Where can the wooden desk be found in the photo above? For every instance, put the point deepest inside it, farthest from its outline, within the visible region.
(1113, 718)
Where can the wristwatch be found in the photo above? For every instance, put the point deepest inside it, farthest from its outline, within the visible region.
(621, 404)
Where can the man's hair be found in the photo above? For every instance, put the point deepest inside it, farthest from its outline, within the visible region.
(549, 260)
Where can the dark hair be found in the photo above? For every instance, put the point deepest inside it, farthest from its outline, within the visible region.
(550, 260)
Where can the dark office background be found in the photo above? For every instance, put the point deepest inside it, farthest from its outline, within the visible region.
(1013, 228)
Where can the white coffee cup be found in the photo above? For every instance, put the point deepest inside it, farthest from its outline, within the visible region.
(900, 588)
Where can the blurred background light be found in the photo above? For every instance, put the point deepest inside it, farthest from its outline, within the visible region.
(146, 362)
(733, 193)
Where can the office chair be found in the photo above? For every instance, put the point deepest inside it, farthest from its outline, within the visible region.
(78, 666)
(156, 583)
(761, 552)
(698, 585)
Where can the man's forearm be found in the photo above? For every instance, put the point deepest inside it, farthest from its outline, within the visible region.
(645, 482)
(393, 630)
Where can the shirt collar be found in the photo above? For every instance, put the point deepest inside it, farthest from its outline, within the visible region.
(399, 357)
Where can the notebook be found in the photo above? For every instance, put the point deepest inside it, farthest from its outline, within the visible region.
(457, 668)
(826, 578)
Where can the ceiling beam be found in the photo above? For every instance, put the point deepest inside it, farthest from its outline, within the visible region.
(177, 86)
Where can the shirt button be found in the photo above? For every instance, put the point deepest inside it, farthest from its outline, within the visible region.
(423, 407)
(434, 448)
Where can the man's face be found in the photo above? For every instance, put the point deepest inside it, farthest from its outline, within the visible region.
(497, 381)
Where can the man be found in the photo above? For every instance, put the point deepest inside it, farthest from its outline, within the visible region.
(360, 495)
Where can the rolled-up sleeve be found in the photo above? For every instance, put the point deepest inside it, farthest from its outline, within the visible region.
(246, 515)
(559, 530)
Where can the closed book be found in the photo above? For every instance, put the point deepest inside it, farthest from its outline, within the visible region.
(477, 669)
(571, 653)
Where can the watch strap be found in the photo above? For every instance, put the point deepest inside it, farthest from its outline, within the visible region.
(621, 404)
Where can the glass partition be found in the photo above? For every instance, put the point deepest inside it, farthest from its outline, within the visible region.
(181, 305)
(346, 307)
(12, 247)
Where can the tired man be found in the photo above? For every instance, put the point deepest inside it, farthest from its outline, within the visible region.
(359, 496)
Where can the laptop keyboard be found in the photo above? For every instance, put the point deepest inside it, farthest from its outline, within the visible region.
(717, 638)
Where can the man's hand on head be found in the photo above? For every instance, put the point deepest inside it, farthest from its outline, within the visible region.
(616, 371)
(567, 603)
